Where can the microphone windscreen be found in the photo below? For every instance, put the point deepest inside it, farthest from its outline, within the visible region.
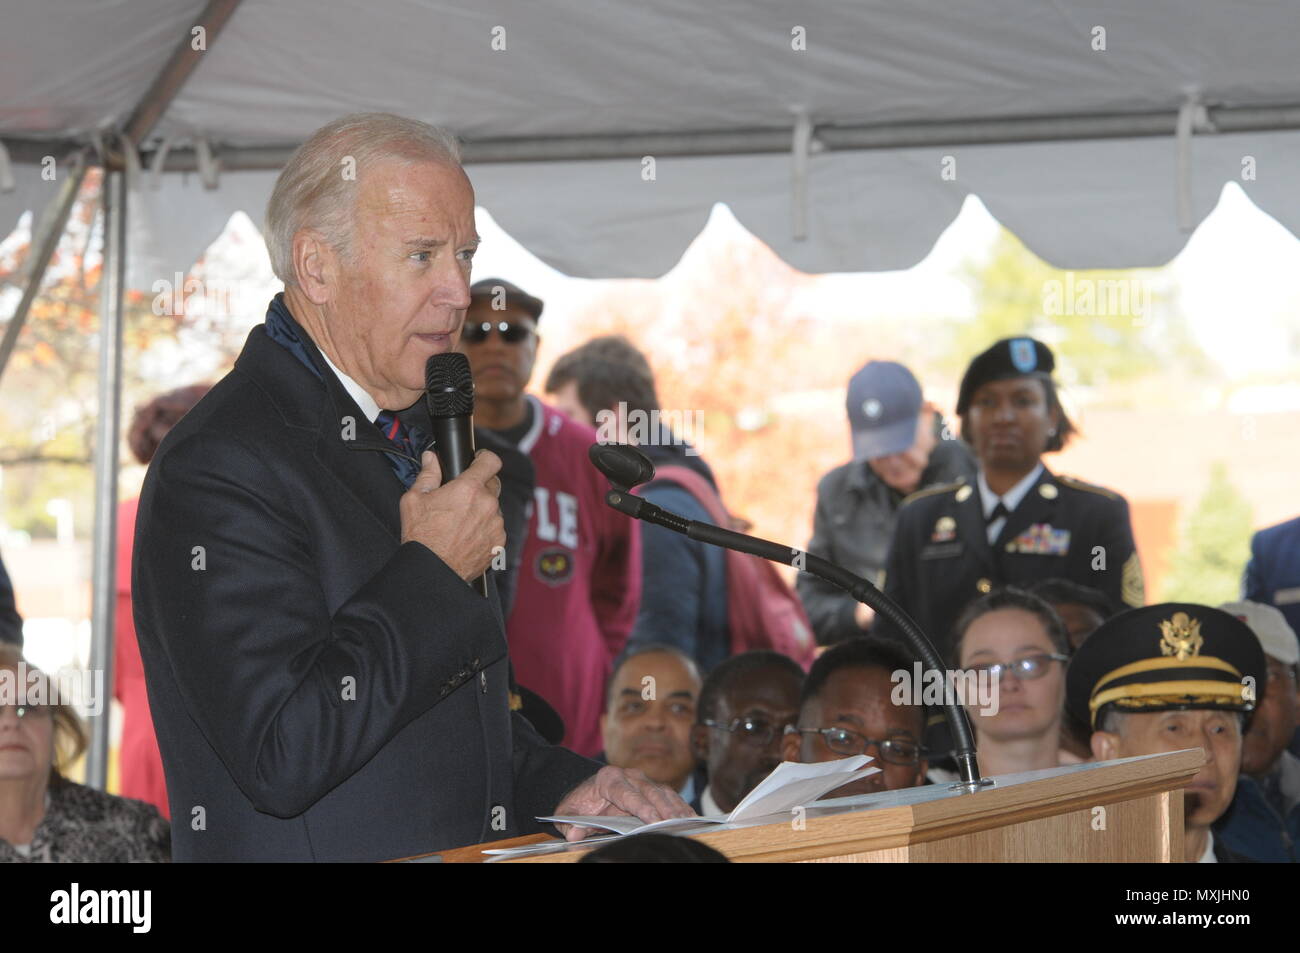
(624, 466)
(449, 385)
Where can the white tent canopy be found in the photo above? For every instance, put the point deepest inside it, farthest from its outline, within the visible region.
(1071, 146)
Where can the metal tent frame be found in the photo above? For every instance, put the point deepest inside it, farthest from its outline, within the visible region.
(114, 161)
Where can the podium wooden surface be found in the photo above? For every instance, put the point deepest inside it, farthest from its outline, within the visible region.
(1129, 810)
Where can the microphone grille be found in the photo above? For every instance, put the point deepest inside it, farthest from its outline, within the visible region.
(449, 385)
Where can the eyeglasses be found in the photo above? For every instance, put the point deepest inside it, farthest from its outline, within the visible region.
(842, 741)
(478, 332)
(1027, 668)
(758, 732)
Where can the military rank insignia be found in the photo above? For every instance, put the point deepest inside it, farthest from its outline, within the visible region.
(1132, 590)
(945, 530)
(555, 566)
(1041, 539)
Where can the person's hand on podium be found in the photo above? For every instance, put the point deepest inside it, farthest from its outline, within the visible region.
(612, 791)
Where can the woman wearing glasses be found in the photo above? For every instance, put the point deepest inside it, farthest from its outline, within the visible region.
(43, 815)
(1017, 648)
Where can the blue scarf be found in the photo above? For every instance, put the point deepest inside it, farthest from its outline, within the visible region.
(284, 331)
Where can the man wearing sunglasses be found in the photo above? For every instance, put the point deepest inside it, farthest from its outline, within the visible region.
(847, 709)
(578, 584)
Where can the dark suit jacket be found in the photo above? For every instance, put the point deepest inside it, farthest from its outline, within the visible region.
(321, 691)
(941, 559)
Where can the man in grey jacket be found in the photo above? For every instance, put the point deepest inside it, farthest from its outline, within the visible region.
(899, 447)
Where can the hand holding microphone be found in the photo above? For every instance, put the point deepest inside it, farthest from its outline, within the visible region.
(452, 506)
(460, 519)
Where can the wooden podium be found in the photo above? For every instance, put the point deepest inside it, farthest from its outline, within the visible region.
(1113, 811)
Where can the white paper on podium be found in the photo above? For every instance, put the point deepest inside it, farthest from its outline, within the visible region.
(789, 786)
(794, 785)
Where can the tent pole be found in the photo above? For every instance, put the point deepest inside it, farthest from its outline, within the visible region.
(106, 440)
(154, 103)
(832, 137)
(48, 231)
(172, 77)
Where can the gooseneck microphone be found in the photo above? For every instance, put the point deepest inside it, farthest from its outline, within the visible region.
(449, 395)
(626, 467)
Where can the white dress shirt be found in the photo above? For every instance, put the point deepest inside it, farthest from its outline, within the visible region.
(358, 393)
(708, 806)
(1011, 499)
(1208, 857)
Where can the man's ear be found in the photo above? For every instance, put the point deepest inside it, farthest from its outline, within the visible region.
(790, 745)
(700, 743)
(1105, 745)
(314, 265)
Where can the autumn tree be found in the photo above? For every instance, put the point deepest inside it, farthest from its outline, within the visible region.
(1105, 326)
(49, 409)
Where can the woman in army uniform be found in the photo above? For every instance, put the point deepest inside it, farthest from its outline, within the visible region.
(1017, 522)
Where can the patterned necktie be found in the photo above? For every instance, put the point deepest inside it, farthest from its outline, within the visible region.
(408, 443)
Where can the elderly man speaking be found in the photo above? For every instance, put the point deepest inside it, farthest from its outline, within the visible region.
(326, 683)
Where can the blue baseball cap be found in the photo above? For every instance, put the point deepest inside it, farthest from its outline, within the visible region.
(883, 404)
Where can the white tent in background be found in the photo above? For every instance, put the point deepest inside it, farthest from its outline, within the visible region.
(846, 136)
(1062, 118)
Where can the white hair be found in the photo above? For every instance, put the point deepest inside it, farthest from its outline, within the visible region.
(318, 186)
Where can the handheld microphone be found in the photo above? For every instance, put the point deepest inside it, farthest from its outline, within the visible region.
(449, 394)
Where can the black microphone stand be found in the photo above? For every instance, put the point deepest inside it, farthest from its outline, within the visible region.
(860, 589)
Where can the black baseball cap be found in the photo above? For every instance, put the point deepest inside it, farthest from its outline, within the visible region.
(513, 295)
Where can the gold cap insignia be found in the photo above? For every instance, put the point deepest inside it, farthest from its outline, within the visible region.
(1047, 491)
(1180, 636)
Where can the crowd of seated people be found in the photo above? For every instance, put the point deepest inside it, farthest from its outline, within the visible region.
(993, 554)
